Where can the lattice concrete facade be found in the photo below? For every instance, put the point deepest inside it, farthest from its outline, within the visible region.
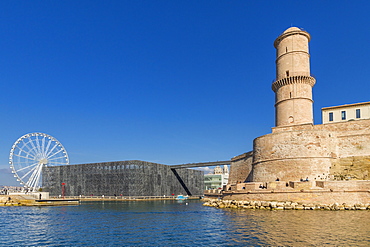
(127, 178)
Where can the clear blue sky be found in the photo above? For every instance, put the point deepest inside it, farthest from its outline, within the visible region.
(165, 81)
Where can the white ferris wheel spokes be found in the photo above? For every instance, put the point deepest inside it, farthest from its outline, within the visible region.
(30, 153)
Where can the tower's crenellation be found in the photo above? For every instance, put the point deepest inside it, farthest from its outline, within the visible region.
(293, 80)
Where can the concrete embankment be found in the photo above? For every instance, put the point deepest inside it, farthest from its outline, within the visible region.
(127, 198)
(26, 200)
(30, 200)
(273, 205)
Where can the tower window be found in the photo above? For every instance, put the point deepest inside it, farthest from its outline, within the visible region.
(286, 49)
(287, 73)
(358, 113)
(343, 114)
(331, 118)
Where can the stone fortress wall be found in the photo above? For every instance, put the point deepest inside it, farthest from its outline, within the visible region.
(334, 157)
(318, 152)
(241, 168)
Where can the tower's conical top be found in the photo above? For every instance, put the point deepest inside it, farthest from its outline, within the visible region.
(291, 29)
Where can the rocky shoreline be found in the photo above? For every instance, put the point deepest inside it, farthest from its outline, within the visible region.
(274, 205)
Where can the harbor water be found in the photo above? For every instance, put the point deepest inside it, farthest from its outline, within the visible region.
(174, 223)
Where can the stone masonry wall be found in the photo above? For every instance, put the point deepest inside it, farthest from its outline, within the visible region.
(339, 197)
(293, 155)
(355, 167)
(241, 168)
(320, 192)
(319, 152)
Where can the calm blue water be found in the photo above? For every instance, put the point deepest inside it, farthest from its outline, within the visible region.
(170, 223)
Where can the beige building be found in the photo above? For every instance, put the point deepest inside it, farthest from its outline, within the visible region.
(217, 179)
(343, 113)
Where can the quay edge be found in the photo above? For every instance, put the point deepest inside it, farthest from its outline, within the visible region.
(280, 205)
(330, 195)
(28, 200)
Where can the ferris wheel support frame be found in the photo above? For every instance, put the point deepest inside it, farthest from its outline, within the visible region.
(31, 153)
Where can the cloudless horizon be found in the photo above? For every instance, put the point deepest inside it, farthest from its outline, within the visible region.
(169, 82)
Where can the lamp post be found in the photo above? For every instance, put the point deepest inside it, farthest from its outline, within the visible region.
(63, 190)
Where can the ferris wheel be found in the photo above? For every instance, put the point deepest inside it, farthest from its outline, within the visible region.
(30, 153)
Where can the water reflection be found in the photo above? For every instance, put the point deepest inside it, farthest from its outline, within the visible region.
(170, 223)
(301, 228)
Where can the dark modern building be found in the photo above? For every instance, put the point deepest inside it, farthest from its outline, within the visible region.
(127, 178)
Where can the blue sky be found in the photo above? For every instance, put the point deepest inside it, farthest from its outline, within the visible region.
(170, 82)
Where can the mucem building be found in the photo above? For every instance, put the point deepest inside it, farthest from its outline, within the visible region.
(126, 178)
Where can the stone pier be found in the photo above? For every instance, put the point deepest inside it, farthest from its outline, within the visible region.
(330, 195)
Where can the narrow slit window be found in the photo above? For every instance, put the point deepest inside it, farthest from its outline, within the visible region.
(287, 73)
(331, 117)
(343, 115)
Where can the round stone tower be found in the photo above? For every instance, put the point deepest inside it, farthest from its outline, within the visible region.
(293, 85)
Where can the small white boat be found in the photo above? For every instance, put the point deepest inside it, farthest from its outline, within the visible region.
(182, 197)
